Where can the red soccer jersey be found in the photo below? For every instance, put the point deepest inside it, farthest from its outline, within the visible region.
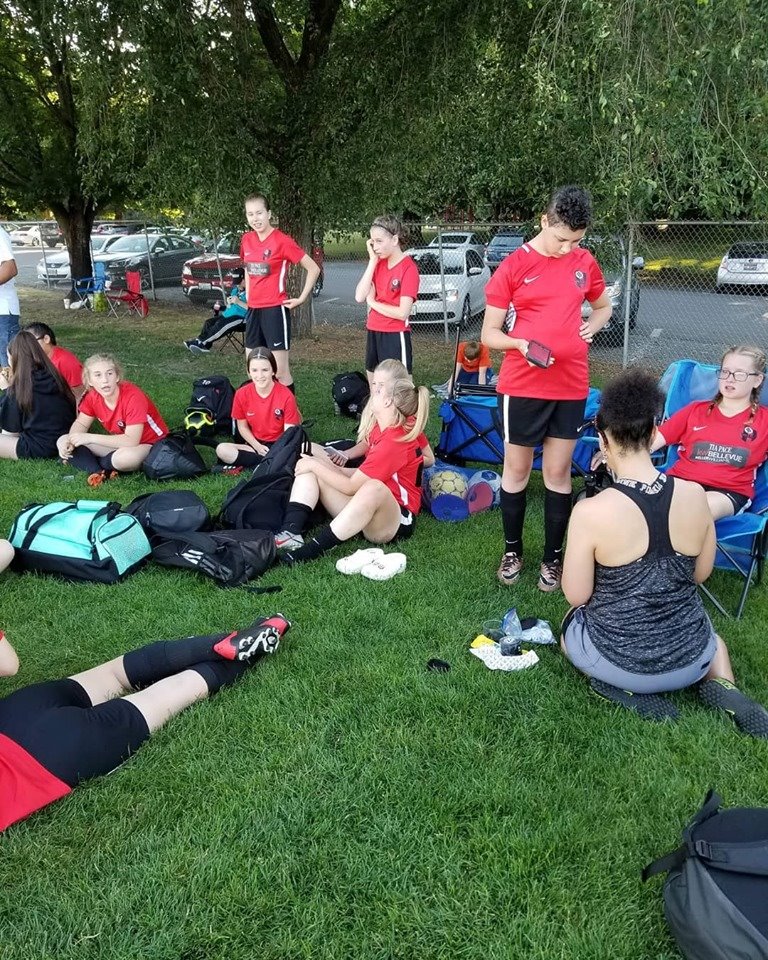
(266, 263)
(473, 366)
(715, 450)
(396, 464)
(389, 285)
(266, 416)
(68, 366)
(133, 406)
(25, 785)
(543, 298)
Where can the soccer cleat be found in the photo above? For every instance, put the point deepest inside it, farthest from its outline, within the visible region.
(188, 343)
(509, 569)
(262, 637)
(197, 346)
(285, 540)
(550, 576)
(96, 479)
(649, 706)
(230, 469)
(747, 714)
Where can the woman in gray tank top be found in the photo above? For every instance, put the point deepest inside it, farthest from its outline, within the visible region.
(635, 555)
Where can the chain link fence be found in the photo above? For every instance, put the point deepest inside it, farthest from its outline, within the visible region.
(679, 289)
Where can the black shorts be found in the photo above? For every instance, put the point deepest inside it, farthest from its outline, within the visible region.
(739, 501)
(388, 346)
(56, 724)
(268, 327)
(407, 525)
(29, 448)
(526, 421)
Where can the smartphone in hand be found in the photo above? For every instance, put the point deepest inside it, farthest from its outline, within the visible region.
(538, 354)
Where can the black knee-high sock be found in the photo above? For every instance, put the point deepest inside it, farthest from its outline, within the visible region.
(513, 518)
(557, 512)
(220, 673)
(315, 547)
(248, 458)
(83, 459)
(106, 462)
(162, 659)
(297, 517)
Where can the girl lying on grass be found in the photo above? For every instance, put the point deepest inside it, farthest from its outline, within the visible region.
(131, 420)
(634, 557)
(381, 498)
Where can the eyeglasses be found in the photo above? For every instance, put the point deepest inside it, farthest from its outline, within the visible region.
(738, 375)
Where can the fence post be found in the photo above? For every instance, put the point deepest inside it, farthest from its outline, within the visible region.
(149, 261)
(627, 303)
(45, 260)
(442, 280)
(218, 260)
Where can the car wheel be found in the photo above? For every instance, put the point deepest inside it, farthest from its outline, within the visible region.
(466, 313)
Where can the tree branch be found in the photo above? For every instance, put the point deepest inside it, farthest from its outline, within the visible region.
(274, 44)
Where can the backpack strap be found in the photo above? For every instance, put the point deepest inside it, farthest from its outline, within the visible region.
(674, 860)
(749, 857)
(34, 527)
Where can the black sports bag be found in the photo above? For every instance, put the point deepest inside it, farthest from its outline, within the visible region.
(350, 393)
(230, 557)
(170, 512)
(174, 458)
(212, 395)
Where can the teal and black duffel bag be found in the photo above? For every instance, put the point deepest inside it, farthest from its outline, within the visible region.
(88, 540)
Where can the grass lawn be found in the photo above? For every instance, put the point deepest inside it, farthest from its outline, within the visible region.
(341, 801)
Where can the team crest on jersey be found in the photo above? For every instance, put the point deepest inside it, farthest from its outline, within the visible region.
(121, 424)
(395, 284)
(278, 413)
(581, 279)
(267, 254)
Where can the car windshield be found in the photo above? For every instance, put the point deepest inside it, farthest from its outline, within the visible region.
(99, 242)
(229, 245)
(455, 238)
(134, 244)
(508, 241)
(428, 262)
(748, 251)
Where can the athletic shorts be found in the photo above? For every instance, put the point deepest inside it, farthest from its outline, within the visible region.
(585, 656)
(739, 501)
(268, 327)
(388, 346)
(407, 525)
(29, 449)
(526, 421)
(56, 724)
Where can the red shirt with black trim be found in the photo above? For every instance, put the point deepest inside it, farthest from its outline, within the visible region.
(715, 450)
(133, 406)
(266, 263)
(473, 366)
(266, 416)
(543, 298)
(390, 284)
(396, 463)
(68, 366)
(25, 785)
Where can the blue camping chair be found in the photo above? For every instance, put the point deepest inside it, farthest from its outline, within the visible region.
(86, 287)
(742, 541)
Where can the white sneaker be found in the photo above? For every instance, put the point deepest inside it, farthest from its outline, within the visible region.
(385, 567)
(285, 540)
(355, 562)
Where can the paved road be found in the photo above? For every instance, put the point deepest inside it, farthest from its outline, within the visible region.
(673, 322)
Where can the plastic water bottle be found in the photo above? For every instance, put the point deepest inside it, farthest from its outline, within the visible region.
(217, 307)
(511, 623)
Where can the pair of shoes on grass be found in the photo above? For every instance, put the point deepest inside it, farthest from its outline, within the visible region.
(720, 694)
(197, 346)
(96, 479)
(510, 568)
(261, 638)
(373, 564)
(228, 469)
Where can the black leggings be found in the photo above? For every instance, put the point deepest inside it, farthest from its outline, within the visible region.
(56, 723)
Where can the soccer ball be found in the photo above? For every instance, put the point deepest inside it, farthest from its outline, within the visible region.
(447, 481)
(492, 479)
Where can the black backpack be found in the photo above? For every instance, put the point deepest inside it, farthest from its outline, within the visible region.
(174, 458)
(350, 393)
(213, 396)
(716, 891)
(170, 512)
(230, 557)
(259, 502)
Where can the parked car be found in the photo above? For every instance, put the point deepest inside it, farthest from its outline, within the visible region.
(200, 278)
(744, 265)
(465, 278)
(611, 254)
(505, 241)
(460, 238)
(38, 234)
(133, 252)
(55, 268)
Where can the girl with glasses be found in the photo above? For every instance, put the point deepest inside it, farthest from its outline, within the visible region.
(721, 442)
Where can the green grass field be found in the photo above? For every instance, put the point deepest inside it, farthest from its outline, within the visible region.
(341, 801)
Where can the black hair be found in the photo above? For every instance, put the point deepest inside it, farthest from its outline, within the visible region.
(238, 274)
(38, 329)
(570, 205)
(629, 406)
(262, 353)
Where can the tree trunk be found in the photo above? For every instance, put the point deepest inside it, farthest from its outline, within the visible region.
(295, 220)
(75, 217)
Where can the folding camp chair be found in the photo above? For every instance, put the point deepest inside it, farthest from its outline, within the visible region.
(235, 338)
(88, 287)
(131, 297)
(742, 540)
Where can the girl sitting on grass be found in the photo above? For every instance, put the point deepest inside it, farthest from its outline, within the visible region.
(263, 409)
(635, 554)
(131, 420)
(381, 498)
(38, 406)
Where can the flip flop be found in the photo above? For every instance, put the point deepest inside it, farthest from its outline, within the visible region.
(355, 562)
(385, 567)
(480, 497)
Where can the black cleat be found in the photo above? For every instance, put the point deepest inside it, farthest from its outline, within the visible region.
(748, 715)
(263, 636)
(650, 706)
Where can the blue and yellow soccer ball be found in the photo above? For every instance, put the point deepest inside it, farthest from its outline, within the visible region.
(447, 482)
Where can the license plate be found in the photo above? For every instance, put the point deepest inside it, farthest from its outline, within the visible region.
(750, 266)
(204, 286)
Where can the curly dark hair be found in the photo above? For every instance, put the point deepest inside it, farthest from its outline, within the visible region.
(571, 206)
(629, 407)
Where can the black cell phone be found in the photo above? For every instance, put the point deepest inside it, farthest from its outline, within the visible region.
(538, 354)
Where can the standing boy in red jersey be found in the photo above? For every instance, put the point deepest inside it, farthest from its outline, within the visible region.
(64, 360)
(533, 315)
(389, 286)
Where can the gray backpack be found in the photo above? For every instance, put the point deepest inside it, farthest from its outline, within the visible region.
(716, 891)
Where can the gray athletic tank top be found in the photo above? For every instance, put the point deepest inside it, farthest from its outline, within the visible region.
(647, 616)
